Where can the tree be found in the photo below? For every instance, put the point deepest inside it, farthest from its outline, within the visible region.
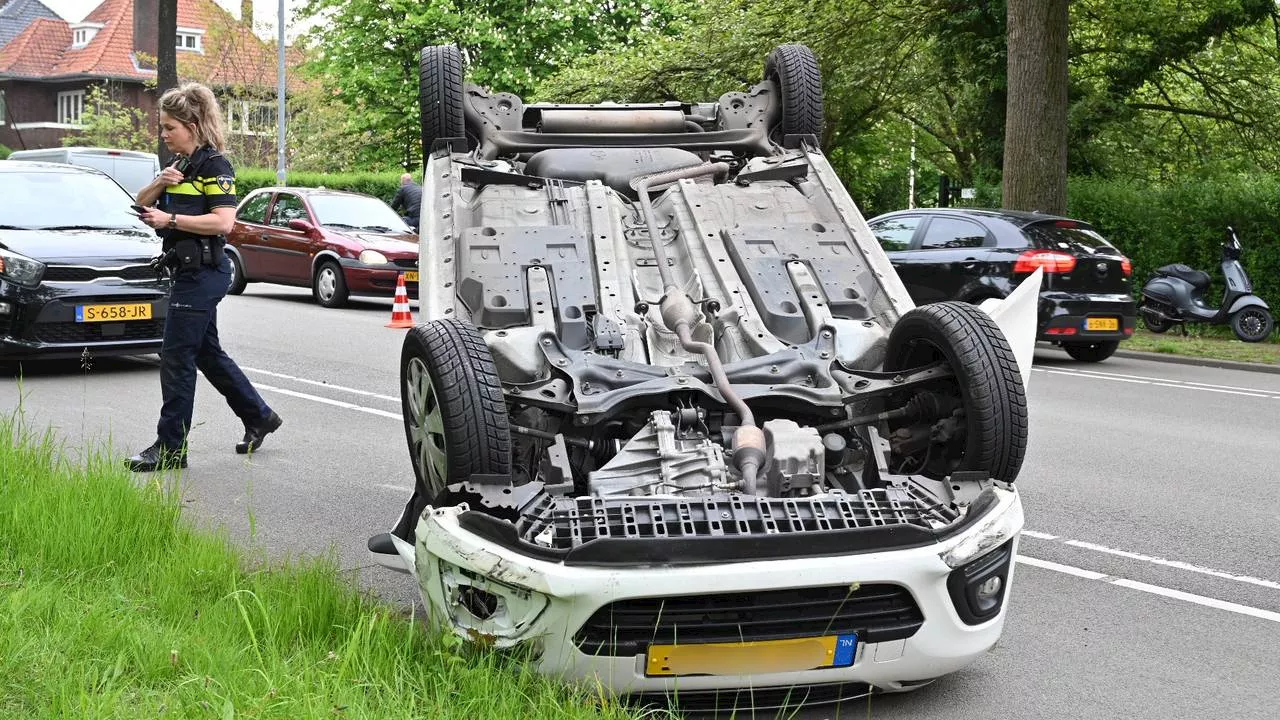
(367, 53)
(1035, 136)
(166, 58)
(107, 122)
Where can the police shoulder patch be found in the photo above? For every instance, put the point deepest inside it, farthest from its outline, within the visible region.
(226, 183)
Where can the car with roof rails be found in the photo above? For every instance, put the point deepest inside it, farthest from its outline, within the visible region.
(678, 430)
(972, 255)
(75, 266)
(337, 243)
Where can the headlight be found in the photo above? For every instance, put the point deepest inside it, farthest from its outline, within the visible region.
(991, 532)
(478, 605)
(20, 268)
(373, 257)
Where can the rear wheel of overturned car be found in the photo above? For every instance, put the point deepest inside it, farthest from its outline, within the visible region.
(794, 68)
(238, 283)
(988, 433)
(455, 417)
(440, 95)
(329, 285)
(1091, 351)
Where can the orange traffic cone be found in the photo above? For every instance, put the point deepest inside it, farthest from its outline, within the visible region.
(401, 315)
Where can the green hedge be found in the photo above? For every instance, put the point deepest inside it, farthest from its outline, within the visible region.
(380, 185)
(1158, 224)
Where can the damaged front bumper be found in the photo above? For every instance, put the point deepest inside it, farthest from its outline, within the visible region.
(889, 618)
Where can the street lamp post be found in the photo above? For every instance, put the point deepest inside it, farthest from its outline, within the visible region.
(280, 174)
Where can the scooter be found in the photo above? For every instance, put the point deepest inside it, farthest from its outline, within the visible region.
(1174, 295)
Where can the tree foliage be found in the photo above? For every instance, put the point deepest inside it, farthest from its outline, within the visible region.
(366, 54)
(108, 122)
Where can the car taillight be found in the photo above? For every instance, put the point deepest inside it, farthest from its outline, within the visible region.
(1127, 266)
(1052, 262)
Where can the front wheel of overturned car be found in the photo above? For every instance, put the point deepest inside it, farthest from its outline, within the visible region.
(1252, 324)
(1091, 352)
(455, 417)
(987, 431)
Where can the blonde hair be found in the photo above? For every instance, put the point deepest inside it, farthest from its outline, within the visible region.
(194, 104)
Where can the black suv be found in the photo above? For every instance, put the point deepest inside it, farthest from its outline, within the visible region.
(1086, 301)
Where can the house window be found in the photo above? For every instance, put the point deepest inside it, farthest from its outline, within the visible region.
(190, 40)
(4, 111)
(251, 117)
(82, 34)
(70, 107)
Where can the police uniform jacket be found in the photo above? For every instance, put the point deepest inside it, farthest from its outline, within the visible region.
(208, 182)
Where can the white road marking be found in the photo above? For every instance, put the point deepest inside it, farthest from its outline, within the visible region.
(317, 383)
(1153, 589)
(1039, 535)
(1176, 564)
(1164, 382)
(327, 401)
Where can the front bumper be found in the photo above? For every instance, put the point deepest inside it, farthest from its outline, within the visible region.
(377, 280)
(1064, 316)
(547, 606)
(42, 322)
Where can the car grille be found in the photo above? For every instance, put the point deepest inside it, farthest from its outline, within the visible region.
(80, 273)
(561, 523)
(411, 263)
(73, 332)
(750, 702)
(876, 612)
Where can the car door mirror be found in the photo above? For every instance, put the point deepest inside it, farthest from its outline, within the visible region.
(302, 226)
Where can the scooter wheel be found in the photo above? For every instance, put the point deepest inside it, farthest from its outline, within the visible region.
(1252, 324)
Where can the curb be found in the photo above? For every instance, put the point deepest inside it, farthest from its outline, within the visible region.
(1199, 361)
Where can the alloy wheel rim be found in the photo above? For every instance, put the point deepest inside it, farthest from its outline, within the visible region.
(426, 426)
(1252, 323)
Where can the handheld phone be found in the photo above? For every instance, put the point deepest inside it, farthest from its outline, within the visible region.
(138, 208)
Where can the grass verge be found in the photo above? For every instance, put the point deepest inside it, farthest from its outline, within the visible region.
(112, 607)
(1204, 344)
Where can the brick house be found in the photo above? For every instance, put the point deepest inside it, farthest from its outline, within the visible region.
(47, 69)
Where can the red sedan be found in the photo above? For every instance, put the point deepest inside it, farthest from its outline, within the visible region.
(336, 243)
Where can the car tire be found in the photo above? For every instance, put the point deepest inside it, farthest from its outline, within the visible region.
(794, 68)
(329, 285)
(1091, 352)
(238, 282)
(455, 417)
(986, 377)
(1252, 324)
(440, 95)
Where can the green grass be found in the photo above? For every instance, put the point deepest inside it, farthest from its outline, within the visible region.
(1215, 343)
(111, 606)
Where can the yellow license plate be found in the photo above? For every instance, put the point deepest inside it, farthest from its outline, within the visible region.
(113, 313)
(411, 276)
(1101, 324)
(749, 658)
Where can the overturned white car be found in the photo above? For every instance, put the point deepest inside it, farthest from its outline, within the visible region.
(677, 427)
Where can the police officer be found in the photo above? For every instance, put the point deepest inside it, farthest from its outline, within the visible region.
(196, 199)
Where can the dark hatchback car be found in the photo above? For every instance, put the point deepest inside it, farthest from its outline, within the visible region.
(74, 266)
(336, 243)
(1086, 303)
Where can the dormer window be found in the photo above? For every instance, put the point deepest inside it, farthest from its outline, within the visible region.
(82, 33)
(190, 40)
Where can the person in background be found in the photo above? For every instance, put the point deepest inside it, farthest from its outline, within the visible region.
(408, 200)
(197, 204)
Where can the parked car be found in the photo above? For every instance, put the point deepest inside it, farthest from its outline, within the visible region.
(1086, 300)
(74, 266)
(336, 243)
(676, 427)
(132, 169)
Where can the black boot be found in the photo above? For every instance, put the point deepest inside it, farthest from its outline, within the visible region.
(255, 434)
(157, 457)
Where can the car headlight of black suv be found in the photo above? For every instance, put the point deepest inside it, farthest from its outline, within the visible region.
(20, 269)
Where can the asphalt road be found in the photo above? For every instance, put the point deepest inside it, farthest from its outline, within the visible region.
(1148, 583)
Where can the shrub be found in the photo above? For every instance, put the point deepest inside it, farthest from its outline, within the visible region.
(379, 185)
